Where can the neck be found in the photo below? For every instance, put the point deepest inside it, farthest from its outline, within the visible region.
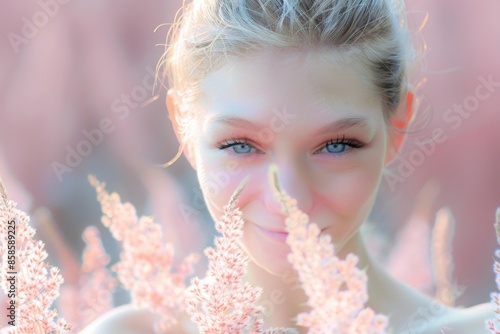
(387, 295)
(283, 298)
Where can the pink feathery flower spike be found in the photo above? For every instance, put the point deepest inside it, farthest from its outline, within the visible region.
(494, 324)
(413, 244)
(322, 274)
(146, 259)
(91, 295)
(222, 302)
(447, 291)
(31, 285)
(68, 301)
(97, 284)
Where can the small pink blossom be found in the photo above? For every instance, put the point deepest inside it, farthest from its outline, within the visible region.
(413, 245)
(36, 282)
(337, 289)
(222, 302)
(96, 285)
(146, 260)
(442, 258)
(412, 250)
(494, 324)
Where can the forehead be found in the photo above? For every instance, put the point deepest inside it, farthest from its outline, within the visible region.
(308, 84)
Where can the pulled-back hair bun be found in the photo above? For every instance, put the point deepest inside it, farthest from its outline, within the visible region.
(208, 32)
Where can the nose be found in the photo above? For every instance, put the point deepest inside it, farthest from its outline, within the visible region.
(296, 184)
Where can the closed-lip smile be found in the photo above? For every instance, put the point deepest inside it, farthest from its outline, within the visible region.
(275, 235)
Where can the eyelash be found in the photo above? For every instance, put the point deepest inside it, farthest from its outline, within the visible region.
(352, 143)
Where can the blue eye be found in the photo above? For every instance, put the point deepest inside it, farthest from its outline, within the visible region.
(241, 148)
(341, 145)
(335, 147)
(238, 146)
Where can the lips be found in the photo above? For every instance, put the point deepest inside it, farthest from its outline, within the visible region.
(274, 235)
(279, 236)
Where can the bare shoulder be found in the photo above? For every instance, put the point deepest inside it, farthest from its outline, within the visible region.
(471, 319)
(440, 319)
(125, 319)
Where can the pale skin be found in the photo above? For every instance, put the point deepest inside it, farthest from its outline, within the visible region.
(334, 175)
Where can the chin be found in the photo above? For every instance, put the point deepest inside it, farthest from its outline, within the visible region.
(274, 263)
(270, 252)
(267, 253)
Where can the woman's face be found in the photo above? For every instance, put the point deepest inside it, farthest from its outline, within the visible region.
(321, 123)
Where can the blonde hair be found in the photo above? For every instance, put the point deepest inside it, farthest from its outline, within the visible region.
(208, 32)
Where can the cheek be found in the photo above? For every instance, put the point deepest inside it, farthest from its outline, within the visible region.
(218, 180)
(351, 194)
(357, 190)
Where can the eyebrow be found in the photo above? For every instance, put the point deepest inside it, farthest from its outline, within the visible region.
(335, 126)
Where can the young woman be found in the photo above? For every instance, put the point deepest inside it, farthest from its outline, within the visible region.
(319, 88)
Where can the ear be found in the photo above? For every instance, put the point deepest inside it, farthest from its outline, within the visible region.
(398, 125)
(173, 102)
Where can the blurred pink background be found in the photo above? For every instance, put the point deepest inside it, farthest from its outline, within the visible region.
(74, 70)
